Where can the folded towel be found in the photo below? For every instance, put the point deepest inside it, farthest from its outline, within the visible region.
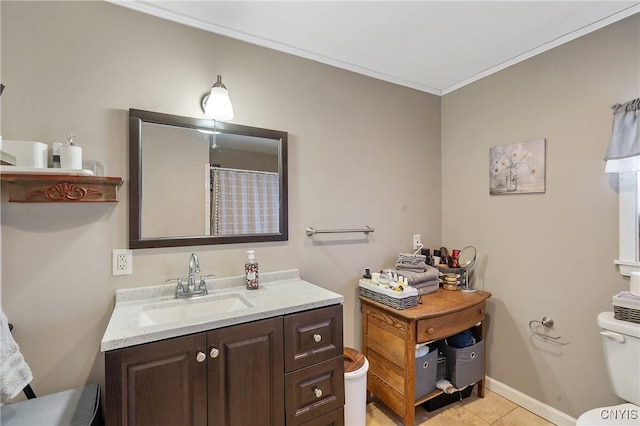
(418, 267)
(406, 258)
(15, 374)
(423, 284)
(411, 262)
(427, 289)
(413, 277)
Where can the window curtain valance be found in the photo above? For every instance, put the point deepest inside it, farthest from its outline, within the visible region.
(623, 153)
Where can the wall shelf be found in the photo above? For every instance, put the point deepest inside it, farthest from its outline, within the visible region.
(57, 188)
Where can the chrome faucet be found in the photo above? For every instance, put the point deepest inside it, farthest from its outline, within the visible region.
(194, 267)
(190, 289)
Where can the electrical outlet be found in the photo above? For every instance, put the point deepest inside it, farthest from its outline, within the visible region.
(122, 262)
(417, 241)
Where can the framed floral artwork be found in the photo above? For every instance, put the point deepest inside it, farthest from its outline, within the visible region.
(518, 168)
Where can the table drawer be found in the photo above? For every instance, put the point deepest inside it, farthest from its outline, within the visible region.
(312, 336)
(440, 327)
(313, 391)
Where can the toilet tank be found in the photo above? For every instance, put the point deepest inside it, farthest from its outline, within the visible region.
(621, 341)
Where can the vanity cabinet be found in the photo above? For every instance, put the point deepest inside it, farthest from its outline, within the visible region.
(389, 338)
(276, 371)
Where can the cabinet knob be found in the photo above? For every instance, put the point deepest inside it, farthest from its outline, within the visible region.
(214, 353)
(201, 357)
(430, 330)
(317, 391)
(317, 338)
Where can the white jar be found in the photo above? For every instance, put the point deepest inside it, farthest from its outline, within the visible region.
(70, 157)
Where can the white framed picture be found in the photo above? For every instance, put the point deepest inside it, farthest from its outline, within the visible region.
(517, 168)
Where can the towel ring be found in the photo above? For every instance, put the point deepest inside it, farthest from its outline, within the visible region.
(548, 323)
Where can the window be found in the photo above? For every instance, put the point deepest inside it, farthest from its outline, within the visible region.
(629, 257)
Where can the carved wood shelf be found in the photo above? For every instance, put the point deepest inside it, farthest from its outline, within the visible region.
(56, 188)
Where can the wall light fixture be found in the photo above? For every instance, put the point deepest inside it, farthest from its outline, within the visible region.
(216, 104)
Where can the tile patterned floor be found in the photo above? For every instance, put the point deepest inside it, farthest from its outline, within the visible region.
(472, 411)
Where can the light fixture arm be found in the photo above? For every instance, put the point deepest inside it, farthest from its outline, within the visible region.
(218, 83)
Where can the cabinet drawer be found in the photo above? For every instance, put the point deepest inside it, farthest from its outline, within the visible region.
(313, 391)
(312, 336)
(446, 325)
(333, 418)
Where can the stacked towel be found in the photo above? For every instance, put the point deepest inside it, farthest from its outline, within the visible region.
(418, 274)
(410, 262)
(414, 277)
(418, 267)
(15, 374)
(427, 287)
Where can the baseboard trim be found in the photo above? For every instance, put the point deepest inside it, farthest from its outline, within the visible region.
(545, 411)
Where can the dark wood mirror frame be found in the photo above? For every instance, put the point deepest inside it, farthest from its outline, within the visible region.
(136, 120)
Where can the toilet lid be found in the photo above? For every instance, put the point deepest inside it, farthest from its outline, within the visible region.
(618, 415)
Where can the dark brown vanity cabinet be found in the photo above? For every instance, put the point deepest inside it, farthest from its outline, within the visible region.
(227, 376)
(282, 370)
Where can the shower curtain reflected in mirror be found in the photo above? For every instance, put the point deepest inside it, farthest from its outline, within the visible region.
(244, 202)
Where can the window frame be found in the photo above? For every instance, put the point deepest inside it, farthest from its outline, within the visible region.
(629, 213)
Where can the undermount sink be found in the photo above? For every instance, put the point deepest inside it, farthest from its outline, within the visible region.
(189, 309)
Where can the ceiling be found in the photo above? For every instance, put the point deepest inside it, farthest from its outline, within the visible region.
(432, 46)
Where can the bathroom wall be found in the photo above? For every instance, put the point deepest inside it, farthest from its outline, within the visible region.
(361, 152)
(545, 254)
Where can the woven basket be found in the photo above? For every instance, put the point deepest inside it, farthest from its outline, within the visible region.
(626, 308)
(626, 314)
(396, 300)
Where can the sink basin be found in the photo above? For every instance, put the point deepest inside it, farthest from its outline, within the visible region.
(190, 309)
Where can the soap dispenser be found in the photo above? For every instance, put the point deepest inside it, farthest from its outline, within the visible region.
(251, 271)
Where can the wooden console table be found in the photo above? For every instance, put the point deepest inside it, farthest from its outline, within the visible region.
(389, 338)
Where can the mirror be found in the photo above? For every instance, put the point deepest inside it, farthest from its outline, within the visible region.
(466, 259)
(199, 182)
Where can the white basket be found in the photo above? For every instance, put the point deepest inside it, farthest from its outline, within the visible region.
(397, 300)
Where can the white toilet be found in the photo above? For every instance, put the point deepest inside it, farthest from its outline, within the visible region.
(621, 340)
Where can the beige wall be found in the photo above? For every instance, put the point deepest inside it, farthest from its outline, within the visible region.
(361, 152)
(544, 254)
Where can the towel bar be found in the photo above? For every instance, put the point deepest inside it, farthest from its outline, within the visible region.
(312, 231)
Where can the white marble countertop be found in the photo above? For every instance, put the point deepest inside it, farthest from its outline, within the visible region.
(280, 293)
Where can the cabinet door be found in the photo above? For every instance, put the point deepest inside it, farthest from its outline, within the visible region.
(245, 374)
(159, 383)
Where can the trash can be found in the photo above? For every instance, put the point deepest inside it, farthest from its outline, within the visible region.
(355, 387)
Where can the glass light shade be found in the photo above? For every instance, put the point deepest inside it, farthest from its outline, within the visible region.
(623, 165)
(218, 106)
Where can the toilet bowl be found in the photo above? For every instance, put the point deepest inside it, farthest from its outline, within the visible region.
(621, 342)
(623, 415)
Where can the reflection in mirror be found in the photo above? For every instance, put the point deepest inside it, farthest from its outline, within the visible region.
(196, 181)
(467, 257)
